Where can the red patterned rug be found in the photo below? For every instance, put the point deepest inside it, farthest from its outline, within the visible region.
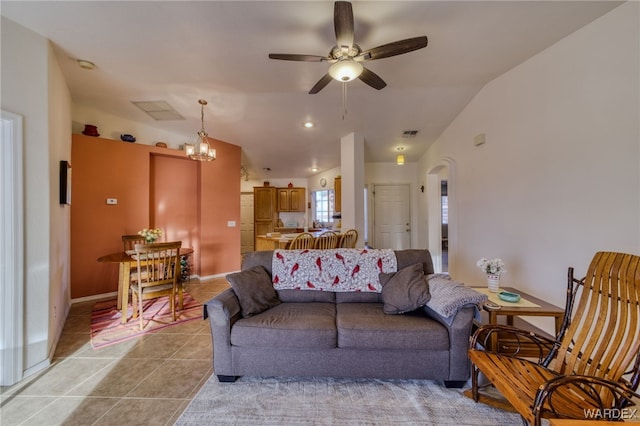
(106, 328)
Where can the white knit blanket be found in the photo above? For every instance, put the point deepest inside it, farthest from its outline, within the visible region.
(448, 296)
(338, 270)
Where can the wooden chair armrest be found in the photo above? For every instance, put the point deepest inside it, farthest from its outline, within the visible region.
(483, 337)
(588, 393)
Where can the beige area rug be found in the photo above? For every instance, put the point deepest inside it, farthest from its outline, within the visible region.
(327, 401)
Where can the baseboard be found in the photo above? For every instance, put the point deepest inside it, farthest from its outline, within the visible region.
(36, 368)
(211, 277)
(95, 297)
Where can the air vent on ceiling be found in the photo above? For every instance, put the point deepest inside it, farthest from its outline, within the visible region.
(159, 110)
(409, 133)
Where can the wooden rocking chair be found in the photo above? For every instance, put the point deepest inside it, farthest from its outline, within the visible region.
(580, 374)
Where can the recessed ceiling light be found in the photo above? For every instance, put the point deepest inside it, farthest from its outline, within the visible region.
(87, 65)
(314, 169)
(308, 124)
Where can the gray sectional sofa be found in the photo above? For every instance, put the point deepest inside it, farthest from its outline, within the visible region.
(337, 334)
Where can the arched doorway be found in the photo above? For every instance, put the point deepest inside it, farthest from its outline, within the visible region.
(441, 209)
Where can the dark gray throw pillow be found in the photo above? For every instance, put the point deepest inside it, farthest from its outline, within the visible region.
(405, 290)
(254, 290)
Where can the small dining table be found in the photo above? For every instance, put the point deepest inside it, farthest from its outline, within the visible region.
(126, 261)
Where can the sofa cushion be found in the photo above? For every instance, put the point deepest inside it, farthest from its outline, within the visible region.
(366, 326)
(254, 290)
(410, 256)
(306, 296)
(405, 290)
(358, 297)
(255, 258)
(290, 326)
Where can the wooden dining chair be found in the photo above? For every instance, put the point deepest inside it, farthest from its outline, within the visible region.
(327, 240)
(129, 241)
(348, 239)
(581, 371)
(158, 271)
(302, 241)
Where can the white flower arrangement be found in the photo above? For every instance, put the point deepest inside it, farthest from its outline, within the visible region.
(493, 266)
(150, 235)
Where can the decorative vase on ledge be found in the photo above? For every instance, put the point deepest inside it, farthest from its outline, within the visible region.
(493, 282)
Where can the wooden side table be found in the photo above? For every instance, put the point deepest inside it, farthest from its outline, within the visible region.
(510, 311)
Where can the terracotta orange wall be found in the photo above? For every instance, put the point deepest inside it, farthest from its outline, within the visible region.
(105, 168)
(219, 204)
(174, 202)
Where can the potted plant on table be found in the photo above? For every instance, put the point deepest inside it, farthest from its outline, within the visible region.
(493, 268)
(150, 235)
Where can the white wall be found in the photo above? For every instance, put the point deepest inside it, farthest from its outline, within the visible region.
(59, 113)
(558, 178)
(27, 86)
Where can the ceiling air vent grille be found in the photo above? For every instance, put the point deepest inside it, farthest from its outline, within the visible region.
(409, 133)
(159, 110)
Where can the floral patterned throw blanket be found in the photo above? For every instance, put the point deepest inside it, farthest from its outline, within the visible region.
(338, 270)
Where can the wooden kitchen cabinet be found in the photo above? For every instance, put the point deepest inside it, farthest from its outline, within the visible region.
(337, 194)
(291, 199)
(265, 209)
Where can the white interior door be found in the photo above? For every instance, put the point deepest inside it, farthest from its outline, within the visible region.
(246, 222)
(391, 216)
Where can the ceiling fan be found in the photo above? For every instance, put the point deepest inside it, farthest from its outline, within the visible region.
(346, 56)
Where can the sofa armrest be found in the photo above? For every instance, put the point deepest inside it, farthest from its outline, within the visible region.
(459, 327)
(222, 311)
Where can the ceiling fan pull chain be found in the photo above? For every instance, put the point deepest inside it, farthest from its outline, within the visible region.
(344, 100)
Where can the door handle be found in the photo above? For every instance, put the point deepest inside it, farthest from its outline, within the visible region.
(408, 230)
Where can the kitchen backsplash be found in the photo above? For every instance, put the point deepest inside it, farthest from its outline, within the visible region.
(293, 220)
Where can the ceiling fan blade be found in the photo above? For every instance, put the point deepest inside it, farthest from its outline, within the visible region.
(343, 23)
(293, 57)
(372, 79)
(395, 48)
(321, 84)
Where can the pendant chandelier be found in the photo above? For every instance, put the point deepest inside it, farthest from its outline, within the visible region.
(201, 151)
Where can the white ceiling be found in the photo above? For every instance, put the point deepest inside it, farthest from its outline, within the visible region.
(217, 50)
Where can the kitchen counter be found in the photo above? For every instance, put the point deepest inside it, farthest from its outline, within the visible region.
(295, 230)
(271, 243)
(264, 242)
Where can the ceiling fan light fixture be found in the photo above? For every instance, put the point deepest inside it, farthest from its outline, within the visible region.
(346, 70)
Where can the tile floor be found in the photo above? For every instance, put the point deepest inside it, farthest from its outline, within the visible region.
(146, 381)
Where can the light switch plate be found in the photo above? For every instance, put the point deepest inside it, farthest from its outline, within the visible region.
(231, 223)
